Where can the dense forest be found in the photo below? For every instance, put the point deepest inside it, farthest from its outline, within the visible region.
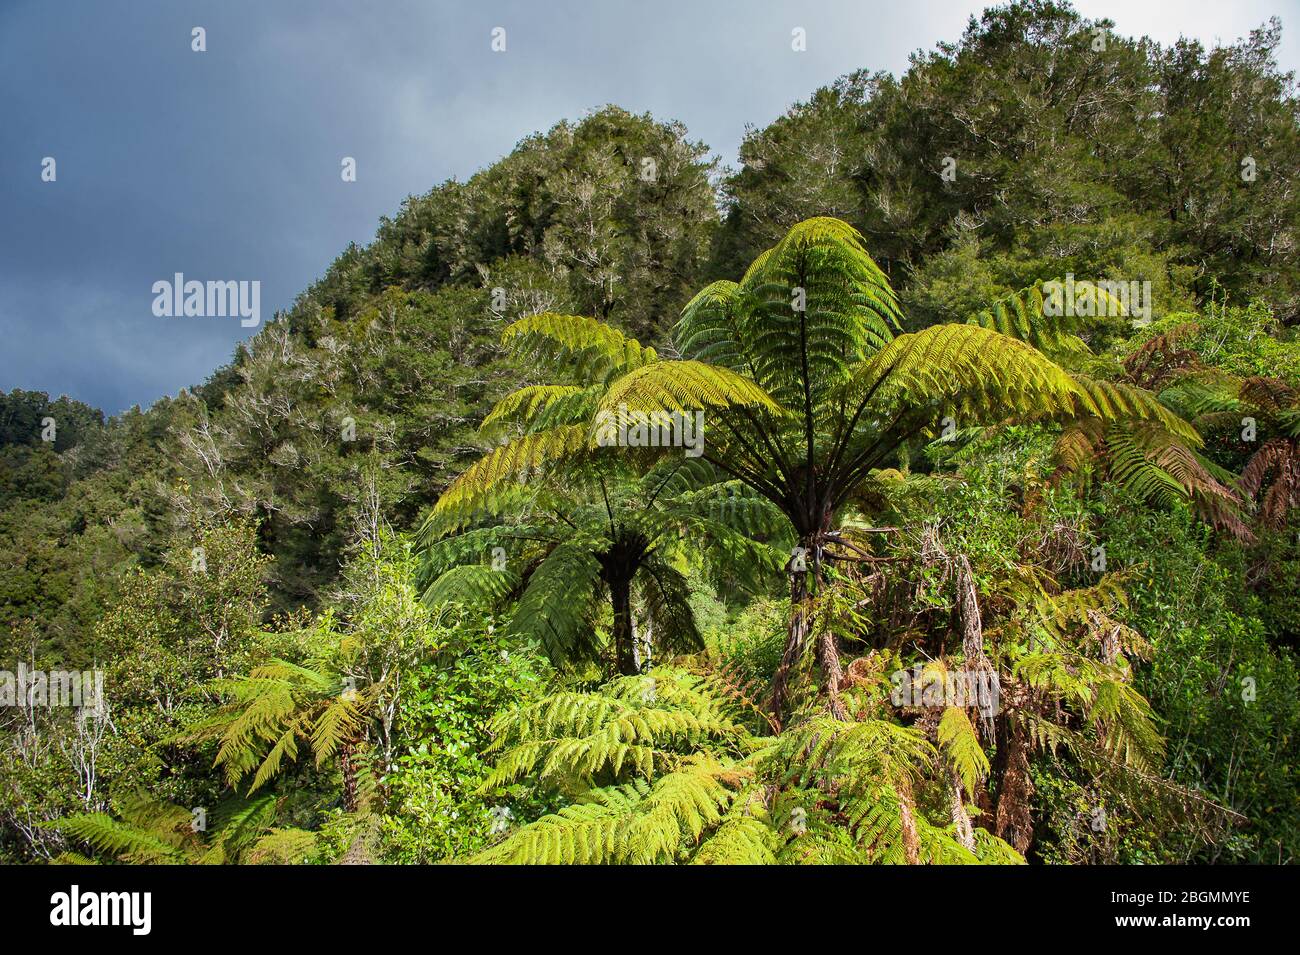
(953, 550)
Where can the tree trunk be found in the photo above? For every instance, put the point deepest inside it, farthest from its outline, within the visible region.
(347, 764)
(804, 575)
(796, 635)
(1012, 821)
(907, 822)
(828, 658)
(620, 592)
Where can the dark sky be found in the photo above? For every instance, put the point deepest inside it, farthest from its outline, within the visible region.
(225, 164)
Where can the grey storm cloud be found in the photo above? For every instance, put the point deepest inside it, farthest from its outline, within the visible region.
(224, 165)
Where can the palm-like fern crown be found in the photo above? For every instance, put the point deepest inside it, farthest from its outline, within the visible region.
(805, 380)
(552, 518)
(814, 323)
(805, 315)
(562, 545)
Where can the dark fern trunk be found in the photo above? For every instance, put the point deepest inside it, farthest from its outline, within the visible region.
(796, 639)
(620, 591)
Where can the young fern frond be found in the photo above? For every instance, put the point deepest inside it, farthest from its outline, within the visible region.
(991, 850)
(1126, 725)
(654, 766)
(822, 749)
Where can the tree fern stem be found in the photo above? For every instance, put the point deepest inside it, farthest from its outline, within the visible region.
(828, 658)
(797, 634)
(620, 592)
(347, 764)
(907, 821)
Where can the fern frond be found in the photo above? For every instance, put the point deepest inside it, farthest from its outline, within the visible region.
(283, 847)
(556, 608)
(1118, 400)
(677, 386)
(584, 345)
(1022, 315)
(126, 842)
(522, 407)
(960, 742)
(740, 840)
(514, 461)
(978, 373)
(471, 585)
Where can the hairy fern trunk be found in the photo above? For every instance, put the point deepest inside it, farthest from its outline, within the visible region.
(804, 571)
(796, 637)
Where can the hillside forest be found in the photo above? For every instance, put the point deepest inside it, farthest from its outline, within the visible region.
(925, 488)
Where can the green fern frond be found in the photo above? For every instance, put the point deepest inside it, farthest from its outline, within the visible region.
(522, 407)
(514, 461)
(1022, 315)
(677, 386)
(124, 841)
(637, 824)
(978, 373)
(283, 847)
(557, 607)
(1120, 400)
(991, 850)
(471, 585)
(960, 742)
(740, 840)
(588, 347)
(1127, 725)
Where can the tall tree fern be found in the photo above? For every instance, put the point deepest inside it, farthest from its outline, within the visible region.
(576, 531)
(814, 325)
